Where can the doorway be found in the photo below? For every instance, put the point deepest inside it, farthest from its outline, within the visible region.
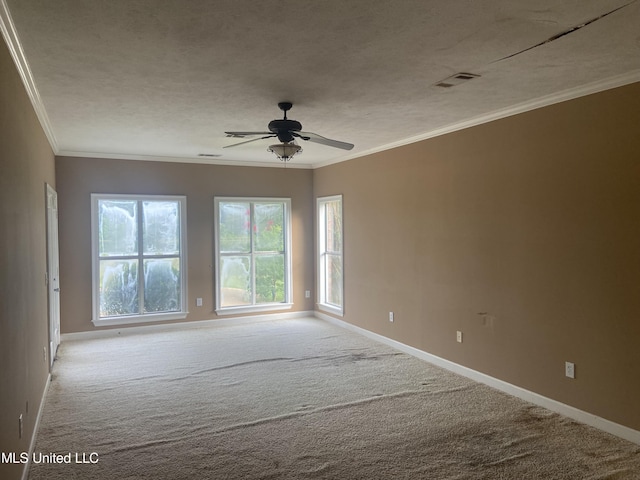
(53, 273)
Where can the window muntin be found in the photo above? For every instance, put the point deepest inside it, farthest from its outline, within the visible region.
(139, 258)
(253, 266)
(330, 254)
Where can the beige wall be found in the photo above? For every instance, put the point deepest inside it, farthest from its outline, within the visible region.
(78, 178)
(26, 163)
(534, 219)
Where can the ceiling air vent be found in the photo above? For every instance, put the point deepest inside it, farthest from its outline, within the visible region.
(212, 155)
(456, 79)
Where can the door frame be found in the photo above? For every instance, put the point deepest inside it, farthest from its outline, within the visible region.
(53, 272)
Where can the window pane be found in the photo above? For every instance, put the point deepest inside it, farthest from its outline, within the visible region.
(268, 227)
(334, 226)
(235, 281)
(118, 287)
(234, 227)
(161, 228)
(117, 227)
(270, 278)
(162, 285)
(334, 280)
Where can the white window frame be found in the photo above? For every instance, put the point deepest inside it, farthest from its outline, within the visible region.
(323, 304)
(288, 289)
(140, 317)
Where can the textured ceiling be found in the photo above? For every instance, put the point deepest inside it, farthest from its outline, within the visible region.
(154, 79)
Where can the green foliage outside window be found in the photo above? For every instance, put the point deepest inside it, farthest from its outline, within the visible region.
(252, 230)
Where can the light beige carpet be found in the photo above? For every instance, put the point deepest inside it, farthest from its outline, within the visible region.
(298, 399)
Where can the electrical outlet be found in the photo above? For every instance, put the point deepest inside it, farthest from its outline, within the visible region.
(198, 302)
(44, 354)
(570, 369)
(307, 294)
(459, 336)
(391, 317)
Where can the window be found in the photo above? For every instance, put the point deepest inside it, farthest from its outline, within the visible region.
(139, 258)
(330, 261)
(253, 259)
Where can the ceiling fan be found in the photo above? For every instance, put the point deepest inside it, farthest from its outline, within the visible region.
(287, 131)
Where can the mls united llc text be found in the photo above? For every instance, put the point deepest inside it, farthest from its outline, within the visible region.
(39, 457)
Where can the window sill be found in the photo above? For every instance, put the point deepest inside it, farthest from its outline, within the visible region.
(331, 309)
(270, 307)
(135, 319)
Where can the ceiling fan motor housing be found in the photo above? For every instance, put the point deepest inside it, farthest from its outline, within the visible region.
(283, 129)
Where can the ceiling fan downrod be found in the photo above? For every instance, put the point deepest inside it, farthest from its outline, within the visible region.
(285, 107)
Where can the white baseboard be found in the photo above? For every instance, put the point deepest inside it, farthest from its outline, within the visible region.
(529, 396)
(115, 332)
(36, 428)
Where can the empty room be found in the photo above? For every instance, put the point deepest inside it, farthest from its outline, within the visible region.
(251, 240)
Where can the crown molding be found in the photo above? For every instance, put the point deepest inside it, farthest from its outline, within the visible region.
(15, 48)
(197, 160)
(559, 97)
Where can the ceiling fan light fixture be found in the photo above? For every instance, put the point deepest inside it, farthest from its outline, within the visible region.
(284, 151)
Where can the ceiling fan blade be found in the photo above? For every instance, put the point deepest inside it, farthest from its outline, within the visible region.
(248, 141)
(246, 134)
(314, 137)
